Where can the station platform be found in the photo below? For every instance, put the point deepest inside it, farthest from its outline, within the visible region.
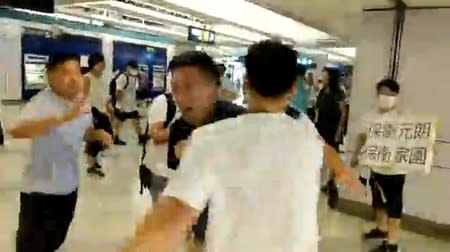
(108, 209)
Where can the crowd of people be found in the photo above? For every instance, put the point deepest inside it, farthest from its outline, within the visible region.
(226, 177)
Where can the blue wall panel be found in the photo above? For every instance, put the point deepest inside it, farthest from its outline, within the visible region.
(36, 44)
(144, 55)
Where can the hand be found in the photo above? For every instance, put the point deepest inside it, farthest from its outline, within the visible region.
(351, 182)
(179, 148)
(354, 161)
(79, 107)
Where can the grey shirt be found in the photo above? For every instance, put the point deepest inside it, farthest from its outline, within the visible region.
(54, 166)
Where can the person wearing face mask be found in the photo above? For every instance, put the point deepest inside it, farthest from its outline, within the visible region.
(126, 86)
(386, 183)
(56, 120)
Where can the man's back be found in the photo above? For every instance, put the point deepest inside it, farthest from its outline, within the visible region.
(260, 174)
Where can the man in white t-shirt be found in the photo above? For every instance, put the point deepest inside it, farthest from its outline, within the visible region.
(386, 183)
(98, 98)
(248, 169)
(127, 84)
(228, 90)
(156, 150)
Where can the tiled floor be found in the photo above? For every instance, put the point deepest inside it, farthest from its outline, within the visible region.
(108, 209)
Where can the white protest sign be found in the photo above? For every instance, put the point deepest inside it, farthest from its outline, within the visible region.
(404, 143)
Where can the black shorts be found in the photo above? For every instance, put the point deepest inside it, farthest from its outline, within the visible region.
(387, 193)
(124, 115)
(92, 149)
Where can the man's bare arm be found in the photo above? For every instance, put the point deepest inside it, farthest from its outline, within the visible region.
(164, 228)
(32, 128)
(333, 160)
(360, 142)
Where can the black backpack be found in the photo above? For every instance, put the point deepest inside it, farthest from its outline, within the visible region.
(145, 174)
(113, 87)
(292, 112)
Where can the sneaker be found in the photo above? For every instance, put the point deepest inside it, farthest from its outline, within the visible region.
(375, 234)
(333, 194)
(385, 247)
(96, 171)
(393, 248)
(118, 141)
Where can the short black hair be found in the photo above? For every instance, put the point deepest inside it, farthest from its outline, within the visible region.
(389, 83)
(334, 78)
(59, 59)
(198, 59)
(94, 59)
(271, 68)
(133, 64)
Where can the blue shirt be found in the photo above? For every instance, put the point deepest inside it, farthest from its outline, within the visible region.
(54, 166)
(300, 99)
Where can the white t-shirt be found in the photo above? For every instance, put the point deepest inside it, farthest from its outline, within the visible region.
(260, 175)
(98, 92)
(156, 157)
(128, 101)
(363, 128)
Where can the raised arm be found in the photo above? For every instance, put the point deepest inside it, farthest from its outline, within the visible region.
(165, 228)
(31, 124)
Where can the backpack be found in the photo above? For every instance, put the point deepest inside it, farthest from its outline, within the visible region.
(292, 112)
(145, 174)
(113, 87)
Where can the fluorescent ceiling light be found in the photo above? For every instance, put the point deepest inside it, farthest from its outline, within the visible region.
(152, 13)
(338, 58)
(97, 22)
(310, 50)
(345, 51)
(72, 18)
(253, 16)
(234, 31)
(138, 25)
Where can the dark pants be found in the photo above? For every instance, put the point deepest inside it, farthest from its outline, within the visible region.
(126, 115)
(44, 220)
(387, 193)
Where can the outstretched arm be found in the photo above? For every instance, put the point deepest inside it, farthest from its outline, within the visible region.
(333, 160)
(164, 228)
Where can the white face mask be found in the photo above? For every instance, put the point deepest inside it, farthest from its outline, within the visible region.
(387, 102)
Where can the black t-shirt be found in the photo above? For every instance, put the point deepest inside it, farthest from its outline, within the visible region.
(181, 130)
(329, 114)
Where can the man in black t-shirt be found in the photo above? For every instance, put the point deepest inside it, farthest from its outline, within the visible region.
(195, 88)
